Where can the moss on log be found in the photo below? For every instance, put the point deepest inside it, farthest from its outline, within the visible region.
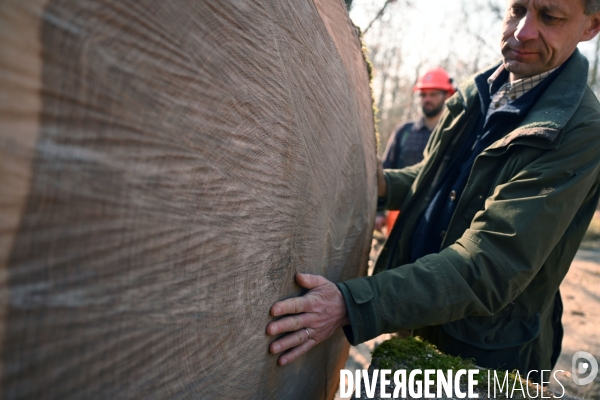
(409, 354)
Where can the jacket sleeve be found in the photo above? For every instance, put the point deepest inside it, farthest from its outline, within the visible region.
(399, 182)
(497, 256)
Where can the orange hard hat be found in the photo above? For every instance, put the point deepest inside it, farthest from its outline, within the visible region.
(436, 78)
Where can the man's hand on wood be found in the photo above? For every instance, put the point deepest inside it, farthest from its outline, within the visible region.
(309, 320)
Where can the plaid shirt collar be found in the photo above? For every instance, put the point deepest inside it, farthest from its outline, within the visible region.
(511, 91)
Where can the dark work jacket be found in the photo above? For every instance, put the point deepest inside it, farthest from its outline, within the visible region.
(491, 292)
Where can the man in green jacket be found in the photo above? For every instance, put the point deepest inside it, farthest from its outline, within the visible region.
(491, 218)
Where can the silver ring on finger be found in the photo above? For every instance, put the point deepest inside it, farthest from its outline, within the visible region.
(308, 333)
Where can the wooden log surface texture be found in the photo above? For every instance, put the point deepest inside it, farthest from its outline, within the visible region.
(166, 167)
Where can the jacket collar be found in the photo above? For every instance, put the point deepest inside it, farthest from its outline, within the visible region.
(549, 115)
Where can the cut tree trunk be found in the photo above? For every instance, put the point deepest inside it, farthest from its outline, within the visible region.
(166, 167)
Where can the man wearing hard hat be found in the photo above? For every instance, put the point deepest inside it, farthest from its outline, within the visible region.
(406, 144)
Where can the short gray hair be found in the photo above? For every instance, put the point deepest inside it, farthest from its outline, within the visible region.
(591, 6)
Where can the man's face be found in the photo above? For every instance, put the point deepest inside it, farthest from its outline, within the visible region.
(432, 101)
(539, 35)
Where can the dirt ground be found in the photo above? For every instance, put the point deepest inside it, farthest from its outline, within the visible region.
(581, 320)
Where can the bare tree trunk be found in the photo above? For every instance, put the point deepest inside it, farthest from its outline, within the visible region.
(166, 169)
(383, 75)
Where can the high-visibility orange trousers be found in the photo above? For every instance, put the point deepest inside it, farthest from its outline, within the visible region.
(391, 220)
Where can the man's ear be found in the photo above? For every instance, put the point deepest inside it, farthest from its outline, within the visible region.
(592, 28)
